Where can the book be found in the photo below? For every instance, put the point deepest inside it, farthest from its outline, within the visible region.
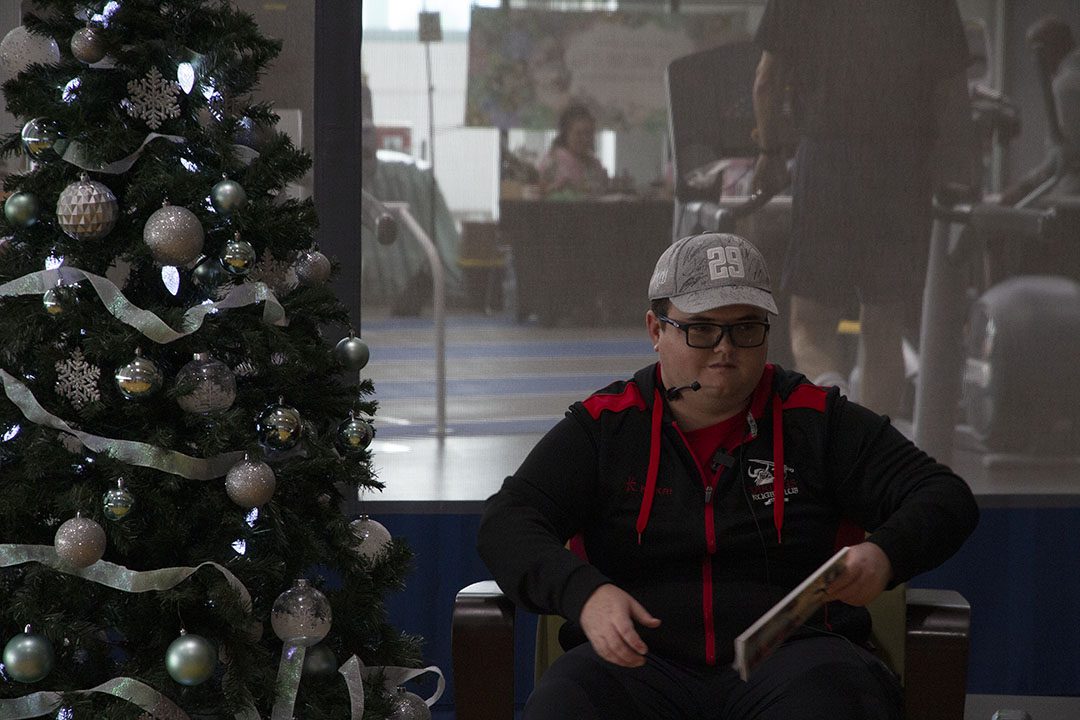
(759, 640)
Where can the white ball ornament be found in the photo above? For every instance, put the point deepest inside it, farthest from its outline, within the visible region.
(80, 542)
(21, 48)
(174, 235)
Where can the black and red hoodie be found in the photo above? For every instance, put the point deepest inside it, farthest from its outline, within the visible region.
(708, 549)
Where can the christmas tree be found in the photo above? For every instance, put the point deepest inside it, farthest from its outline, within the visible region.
(176, 435)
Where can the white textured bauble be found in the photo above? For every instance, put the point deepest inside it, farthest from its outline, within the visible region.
(21, 48)
(86, 210)
(301, 615)
(190, 659)
(372, 537)
(174, 235)
(250, 483)
(80, 542)
(28, 657)
(408, 706)
(312, 268)
(86, 45)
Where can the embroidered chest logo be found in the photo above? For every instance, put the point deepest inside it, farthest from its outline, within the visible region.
(633, 487)
(760, 472)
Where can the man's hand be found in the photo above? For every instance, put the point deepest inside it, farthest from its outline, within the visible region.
(608, 619)
(865, 576)
(771, 174)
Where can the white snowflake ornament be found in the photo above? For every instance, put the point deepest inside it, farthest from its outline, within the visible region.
(77, 380)
(153, 98)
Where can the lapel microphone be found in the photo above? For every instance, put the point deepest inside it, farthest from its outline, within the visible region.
(676, 392)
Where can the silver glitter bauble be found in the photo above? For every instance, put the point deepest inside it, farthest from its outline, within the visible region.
(21, 48)
(87, 45)
(86, 210)
(320, 663)
(139, 379)
(312, 268)
(117, 502)
(352, 352)
(190, 659)
(372, 537)
(250, 483)
(301, 615)
(42, 139)
(207, 385)
(238, 257)
(353, 435)
(28, 657)
(408, 706)
(174, 235)
(228, 196)
(80, 542)
(22, 209)
(279, 427)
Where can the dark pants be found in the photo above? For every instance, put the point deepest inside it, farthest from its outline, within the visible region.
(820, 678)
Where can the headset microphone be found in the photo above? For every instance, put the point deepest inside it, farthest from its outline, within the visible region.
(676, 392)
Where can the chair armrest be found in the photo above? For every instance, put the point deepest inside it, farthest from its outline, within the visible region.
(936, 654)
(482, 650)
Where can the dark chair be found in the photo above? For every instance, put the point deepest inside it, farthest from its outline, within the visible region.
(931, 653)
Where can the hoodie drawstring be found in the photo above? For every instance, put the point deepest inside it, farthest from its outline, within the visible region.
(778, 466)
(654, 465)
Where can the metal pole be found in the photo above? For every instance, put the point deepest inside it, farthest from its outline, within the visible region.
(438, 283)
(937, 391)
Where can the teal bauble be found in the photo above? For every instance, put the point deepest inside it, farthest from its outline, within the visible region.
(228, 196)
(190, 659)
(28, 657)
(22, 209)
(352, 352)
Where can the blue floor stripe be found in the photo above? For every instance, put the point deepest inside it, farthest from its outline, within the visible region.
(557, 348)
(532, 385)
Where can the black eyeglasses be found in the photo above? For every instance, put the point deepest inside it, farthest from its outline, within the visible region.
(708, 335)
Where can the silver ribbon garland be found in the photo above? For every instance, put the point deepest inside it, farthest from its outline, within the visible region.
(288, 681)
(146, 322)
(115, 576)
(127, 451)
(130, 689)
(76, 155)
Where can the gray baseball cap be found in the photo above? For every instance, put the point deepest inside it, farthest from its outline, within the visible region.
(707, 271)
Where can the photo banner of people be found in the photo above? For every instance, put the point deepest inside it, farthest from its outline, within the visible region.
(525, 66)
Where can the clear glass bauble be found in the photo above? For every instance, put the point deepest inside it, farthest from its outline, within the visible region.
(279, 427)
(408, 706)
(139, 379)
(117, 502)
(371, 536)
(42, 139)
(238, 257)
(301, 615)
(353, 435)
(208, 385)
